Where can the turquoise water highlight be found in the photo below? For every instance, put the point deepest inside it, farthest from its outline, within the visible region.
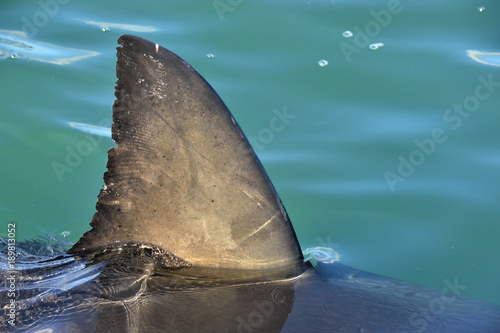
(350, 123)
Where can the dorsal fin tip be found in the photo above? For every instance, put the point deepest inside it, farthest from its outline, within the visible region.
(183, 176)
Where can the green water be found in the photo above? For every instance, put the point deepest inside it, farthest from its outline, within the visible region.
(334, 159)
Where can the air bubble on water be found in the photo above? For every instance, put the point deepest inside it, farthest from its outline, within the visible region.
(65, 233)
(321, 254)
(210, 55)
(104, 29)
(14, 55)
(481, 9)
(322, 63)
(376, 46)
(347, 34)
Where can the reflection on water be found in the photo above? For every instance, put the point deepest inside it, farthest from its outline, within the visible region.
(17, 45)
(61, 293)
(104, 26)
(92, 129)
(129, 293)
(486, 58)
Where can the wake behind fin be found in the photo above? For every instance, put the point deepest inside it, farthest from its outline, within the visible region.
(183, 176)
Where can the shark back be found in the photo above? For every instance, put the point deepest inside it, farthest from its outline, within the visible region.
(183, 176)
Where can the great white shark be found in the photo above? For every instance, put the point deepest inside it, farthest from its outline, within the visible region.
(191, 236)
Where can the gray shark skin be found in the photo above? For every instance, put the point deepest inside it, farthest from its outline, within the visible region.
(190, 236)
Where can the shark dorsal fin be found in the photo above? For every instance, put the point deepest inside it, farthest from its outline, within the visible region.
(183, 176)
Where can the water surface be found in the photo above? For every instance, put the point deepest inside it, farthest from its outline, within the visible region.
(376, 158)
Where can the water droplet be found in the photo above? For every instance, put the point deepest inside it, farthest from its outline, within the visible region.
(481, 9)
(322, 62)
(14, 55)
(104, 29)
(376, 46)
(210, 55)
(65, 233)
(347, 34)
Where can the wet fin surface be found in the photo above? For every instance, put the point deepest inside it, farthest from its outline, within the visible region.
(183, 176)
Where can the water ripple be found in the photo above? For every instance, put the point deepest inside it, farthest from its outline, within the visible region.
(17, 45)
(485, 58)
(105, 26)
